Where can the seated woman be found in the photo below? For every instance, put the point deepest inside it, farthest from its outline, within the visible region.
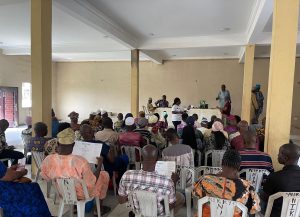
(20, 199)
(227, 185)
(37, 143)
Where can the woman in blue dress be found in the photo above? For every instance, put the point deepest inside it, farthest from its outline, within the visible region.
(20, 199)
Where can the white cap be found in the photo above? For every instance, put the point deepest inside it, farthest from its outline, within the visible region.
(153, 119)
(129, 121)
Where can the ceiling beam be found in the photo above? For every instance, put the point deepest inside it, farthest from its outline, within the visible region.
(193, 42)
(261, 13)
(91, 16)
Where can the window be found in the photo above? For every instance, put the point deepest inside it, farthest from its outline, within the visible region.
(26, 95)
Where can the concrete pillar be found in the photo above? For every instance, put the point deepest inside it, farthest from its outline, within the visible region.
(135, 58)
(41, 61)
(281, 76)
(247, 84)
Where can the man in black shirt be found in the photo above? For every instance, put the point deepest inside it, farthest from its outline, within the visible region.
(285, 180)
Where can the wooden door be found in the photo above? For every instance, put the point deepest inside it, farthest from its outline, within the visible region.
(9, 105)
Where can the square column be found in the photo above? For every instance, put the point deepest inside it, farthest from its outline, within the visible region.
(281, 76)
(135, 60)
(247, 84)
(41, 61)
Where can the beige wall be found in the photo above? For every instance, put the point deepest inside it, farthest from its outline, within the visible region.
(17, 69)
(88, 86)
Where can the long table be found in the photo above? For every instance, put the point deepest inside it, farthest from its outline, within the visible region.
(207, 113)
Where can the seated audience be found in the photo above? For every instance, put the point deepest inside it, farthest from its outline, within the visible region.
(227, 185)
(182, 154)
(260, 132)
(212, 120)
(104, 114)
(197, 124)
(218, 138)
(141, 114)
(123, 125)
(285, 180)
(203, 126)
(5, 150)
(236, 138)
(162, 103)
(38, 142)
(107, 135)
(129, 137)
(66, 165)
(147, 179)
(27, 134)
(191, 136)
(118, 124)
(231, 126)
(156, 131)
(182, 124)
(18, 196)
(74, 120)
(142, 129)
(150, 107)
(252, 158)
(156, 122)
(55, 124)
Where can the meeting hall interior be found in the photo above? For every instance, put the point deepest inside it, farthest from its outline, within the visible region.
(176, 108)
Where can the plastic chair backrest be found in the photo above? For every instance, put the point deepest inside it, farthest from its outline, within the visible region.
(38, 158)
(220, 207)
(130, 151)
(66, 188)
(144, 203)
(186, 176)
(290, 204)
(255, 176)
(205, 170)
(216, 155)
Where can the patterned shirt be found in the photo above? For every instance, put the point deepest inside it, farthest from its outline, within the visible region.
(73, 166)
(149, 181)
(220, 187)
(252, 158)
(118, 125)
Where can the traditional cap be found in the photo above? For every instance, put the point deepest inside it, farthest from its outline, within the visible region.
(217, 126)
(129, 121)
(66, 137)
(142, 122)
(257, 85)
(190, 121)
(73, 114)
(153, 119)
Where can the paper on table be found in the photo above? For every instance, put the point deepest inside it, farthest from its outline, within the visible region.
(90, 151)
(165, 168)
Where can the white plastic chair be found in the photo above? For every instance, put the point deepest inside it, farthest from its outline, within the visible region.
(255, 176)
(216, 156)
(130, 151)
(290, 204)
(67, 192)
(203, 170)
(220, 207)
(147, 202)
(38, 158)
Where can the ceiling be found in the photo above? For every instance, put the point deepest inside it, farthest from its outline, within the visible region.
(106, 30)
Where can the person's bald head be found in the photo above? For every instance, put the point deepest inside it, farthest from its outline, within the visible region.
(243, 126)
(289, 154)
(150, 153)
(87, 132)
(249, 139)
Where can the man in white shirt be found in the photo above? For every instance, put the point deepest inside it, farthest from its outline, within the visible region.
(223, 94)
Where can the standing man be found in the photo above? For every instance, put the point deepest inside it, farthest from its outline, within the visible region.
(162, 103)
(260, 100)
(223, 94)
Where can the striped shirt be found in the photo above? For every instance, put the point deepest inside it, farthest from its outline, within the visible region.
(252, 158)
(149, 181)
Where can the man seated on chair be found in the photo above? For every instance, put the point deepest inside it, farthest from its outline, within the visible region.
(227, 185)
(252, 158)
(66, 165)
(107, 135)
(147, 179)
(142, 129)
(129, 137)
(285, 180)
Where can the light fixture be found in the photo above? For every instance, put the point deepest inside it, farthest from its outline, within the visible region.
(225, 29)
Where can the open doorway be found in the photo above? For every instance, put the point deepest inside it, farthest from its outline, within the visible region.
(9, 105)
